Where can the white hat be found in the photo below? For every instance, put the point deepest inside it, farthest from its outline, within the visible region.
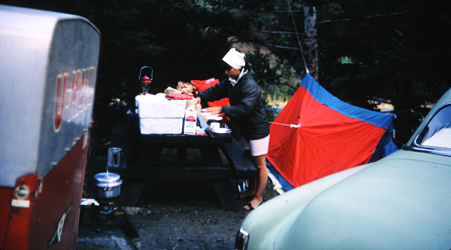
(234, 59)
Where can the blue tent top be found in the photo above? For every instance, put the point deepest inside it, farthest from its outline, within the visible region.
(321, 95)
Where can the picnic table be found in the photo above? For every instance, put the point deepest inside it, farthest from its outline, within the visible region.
(219, 158)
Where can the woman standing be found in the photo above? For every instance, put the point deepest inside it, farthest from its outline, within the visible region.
(247, 109)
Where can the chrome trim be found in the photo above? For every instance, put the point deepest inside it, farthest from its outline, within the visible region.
(431, 150)
(22, 191)
(417, 146)
(242, 240)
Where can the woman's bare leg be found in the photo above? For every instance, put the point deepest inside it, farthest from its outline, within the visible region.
(260, 180)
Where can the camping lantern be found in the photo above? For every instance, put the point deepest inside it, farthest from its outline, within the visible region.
(145, 80)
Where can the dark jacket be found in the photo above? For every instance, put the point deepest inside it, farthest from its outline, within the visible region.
(246, 107)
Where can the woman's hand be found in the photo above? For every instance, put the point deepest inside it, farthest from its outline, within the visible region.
(211, 110)
(214, 110)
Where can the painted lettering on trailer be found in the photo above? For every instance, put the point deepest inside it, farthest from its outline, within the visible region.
(73, 99)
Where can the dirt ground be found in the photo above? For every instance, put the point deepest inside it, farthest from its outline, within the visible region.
(171, 215)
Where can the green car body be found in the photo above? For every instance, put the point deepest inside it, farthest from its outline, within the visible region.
(402, 201)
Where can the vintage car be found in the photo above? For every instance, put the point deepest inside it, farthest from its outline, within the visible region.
(402, 201)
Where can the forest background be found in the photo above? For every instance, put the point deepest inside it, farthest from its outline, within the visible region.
(365, 52)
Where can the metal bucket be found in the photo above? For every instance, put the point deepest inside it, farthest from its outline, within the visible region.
(107, 185)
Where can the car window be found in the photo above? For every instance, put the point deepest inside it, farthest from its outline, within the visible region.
(437, 133)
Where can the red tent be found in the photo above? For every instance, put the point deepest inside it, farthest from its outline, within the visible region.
(316, 135)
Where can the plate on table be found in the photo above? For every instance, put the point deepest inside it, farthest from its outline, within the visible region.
(214, 118)
(210, 117)
(221, 131)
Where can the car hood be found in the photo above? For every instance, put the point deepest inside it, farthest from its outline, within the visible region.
(402, 201)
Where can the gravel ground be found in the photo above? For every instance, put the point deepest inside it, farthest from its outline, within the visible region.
(172, 215)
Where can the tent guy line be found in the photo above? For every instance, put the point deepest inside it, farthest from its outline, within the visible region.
(289, 125)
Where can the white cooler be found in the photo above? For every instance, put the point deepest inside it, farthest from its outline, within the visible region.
(157, 115)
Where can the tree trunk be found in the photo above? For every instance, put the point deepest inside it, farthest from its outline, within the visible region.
(310, 41)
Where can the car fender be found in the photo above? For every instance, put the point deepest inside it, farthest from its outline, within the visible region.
(274, 212)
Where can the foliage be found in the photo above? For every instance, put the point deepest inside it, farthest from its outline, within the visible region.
(390, 51)
(396, 51)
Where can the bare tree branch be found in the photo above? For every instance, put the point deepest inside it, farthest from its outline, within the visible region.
(366, 17)
(281, 46)
(274, 32)
(288, 84)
